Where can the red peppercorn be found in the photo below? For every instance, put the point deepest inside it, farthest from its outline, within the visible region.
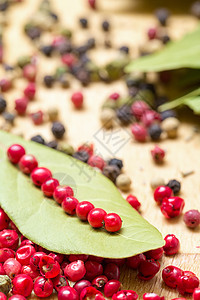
(30, 90)
(134, 261)
(172, 244)
(6, 253)
(74, 257)
(152, 296)
(61, 192)
(5, 84)
(75, 271)
(40, 175)
(29, 72)
(133, 201)
(149, 117)
(69, 205)
(69, 59)
(81, 284)
(92, 3)
(111, 271)
(90, 293)
(57, 257)
(96, 217)
(95, 258)
(187, 283)
(43, 287)
(162, 192)
(172, 207)
(28, 271)
(170, 275)
(49, 267)
(2, 271)
(139, 132)
(192, 218)
(77, 100)
(196, 294)
(96, 162)
(22, 285)
(158, 154)
(24, 253)
(138, 108)
(148, 269)
(99, 281)
(35, 260)
(9, 239)
(114, 96)
(112, 287)
(15, 152)
(37, 117)
(28, 163)
(21, 105)
(28, 242)
(2, 296)
(93, 269)
(59, 282)
(4, 220)
(125, 295)
(112, 222)
(82, 209)
(68, 293)
(48, 187)
(12, 267)
(155, 254)
(117, 261)
(152, 33)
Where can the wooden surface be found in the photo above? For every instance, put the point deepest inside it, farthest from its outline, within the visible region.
(129, 22)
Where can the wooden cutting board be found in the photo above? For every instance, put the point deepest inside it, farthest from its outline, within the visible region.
(129, 20)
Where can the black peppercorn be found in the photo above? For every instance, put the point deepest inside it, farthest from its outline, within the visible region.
(33, 32)
(162, 15)
(125, 115)
(9, 117)
(165, 39)
(58, 130)
(105, 25)
(52, 144)
(3, 104)
(47, 50)
(48, 81)
(155, 132)
(195, 9)
(4, 5)
(111, 172)
(81, 155)
(175, 185)
(167, 114)
(124, 49)
(54, 16)
(38, 139)
(116, 162)
(83, 22)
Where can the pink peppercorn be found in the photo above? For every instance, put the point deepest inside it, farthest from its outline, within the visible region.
(155, 254)
(148, 269)
(4, 220)
(138, 108)
(3, 296)
(114, 96)
(69, 59)
(196, 294)
(125, 295)
(172, 244)
(162, 192)
(134, 261)
(96, 162)
(152, 33)
(22, 285)
(149, 117)
(77, 100)
(30, 90)
(27, 163)
(170, 275)
(5, 84)
(133, 201)
(139, 132)
(192, 218)
(48, 187)
(43, 287)
(37, 117)
(92, 4)
(21, 105)
(75, 270)
(152, 296)
(158, 154)
(29, 72)
(172, 207)
(187, 283)
(15, 152)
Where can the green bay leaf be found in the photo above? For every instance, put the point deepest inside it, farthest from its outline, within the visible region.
(44, 222)
(184, 53)
(192, 100)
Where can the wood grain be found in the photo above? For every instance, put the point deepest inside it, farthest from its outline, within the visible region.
(129, 23)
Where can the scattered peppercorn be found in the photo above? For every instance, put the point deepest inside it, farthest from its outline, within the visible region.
(107, 117)
(52, 144)
(170, 126)
(116, 162)
(82, 156)
(66, 148)
(162, 15)
(9, 117)
(124, 49)
(125, 115)
(192, 218)
(47, 50)
(83, 22)
(158, 154)
(3, 104)
(123, 182)
(105, 25)
(53, 114)
(112, 172)
(58, 130)
(175, 185)
(38, 139)
(155, 132)
(167, 114)
(49, 81)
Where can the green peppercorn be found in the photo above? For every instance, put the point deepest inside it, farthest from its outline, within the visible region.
(5, 284)
(66, 148)
(23, 61)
